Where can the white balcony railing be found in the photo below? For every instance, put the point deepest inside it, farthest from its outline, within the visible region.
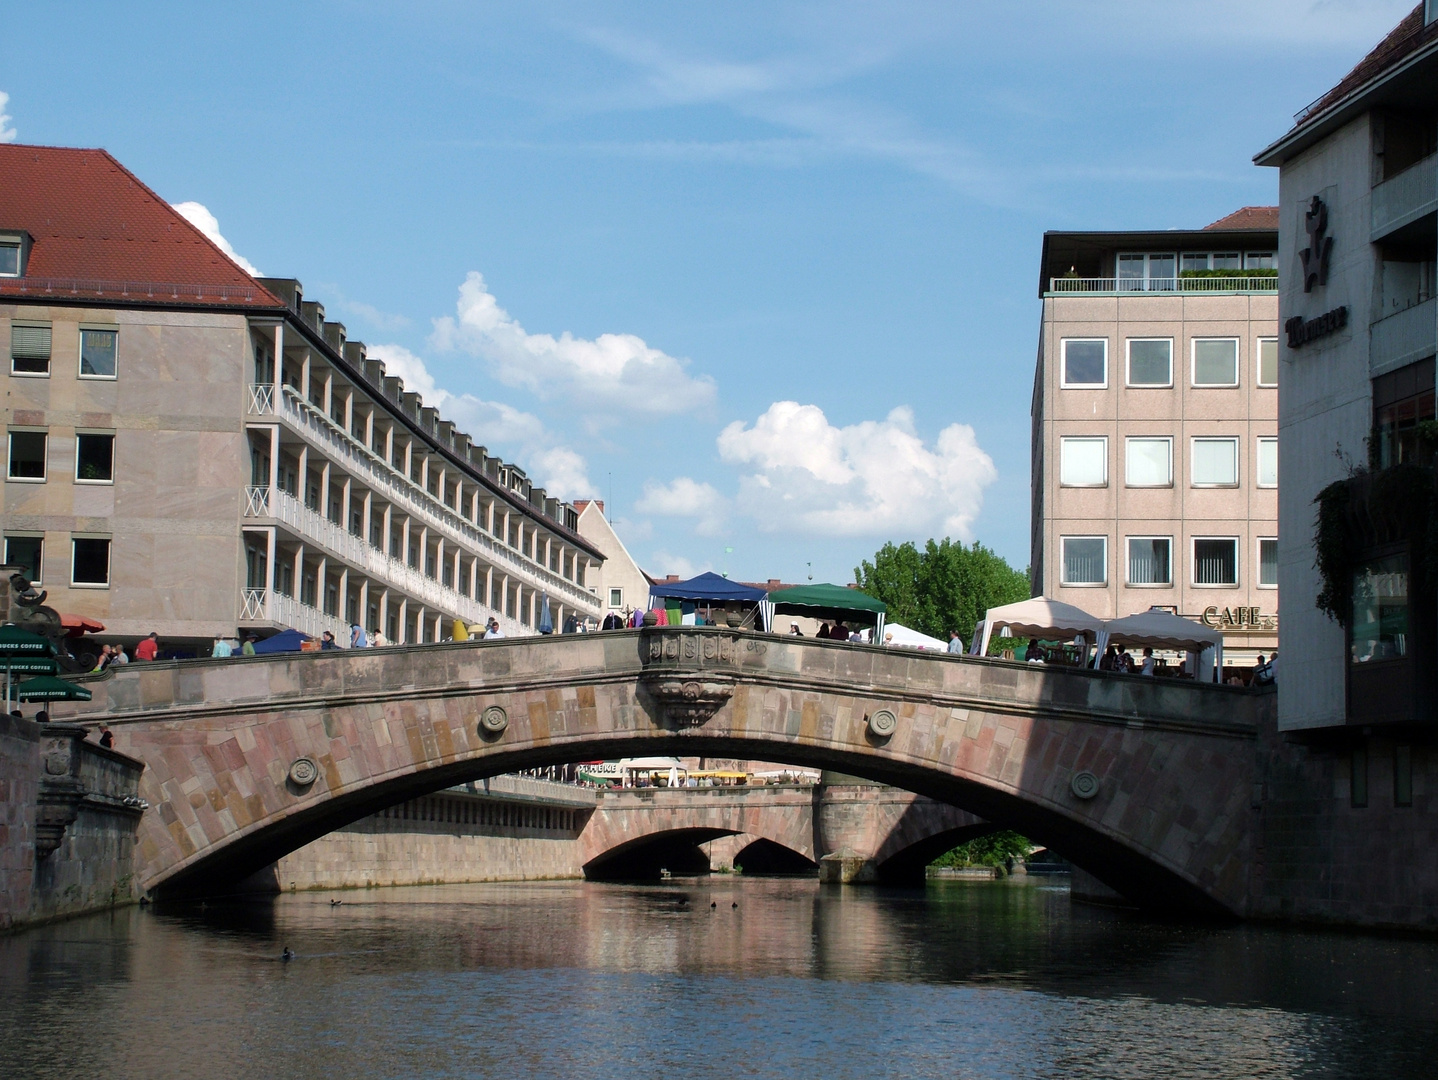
(321, 432)
(1104, 286)
(313, 527)
(263, 605)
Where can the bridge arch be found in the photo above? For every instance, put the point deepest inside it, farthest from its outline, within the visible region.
(250, 758)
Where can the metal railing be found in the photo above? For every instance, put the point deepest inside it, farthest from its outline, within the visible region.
(311, 525)
(1164, 285)
(132, 290)
(264, 605)
(312, 424)
(1405, 197)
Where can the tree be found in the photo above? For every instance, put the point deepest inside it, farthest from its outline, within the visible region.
(998, 849)
(947, 586)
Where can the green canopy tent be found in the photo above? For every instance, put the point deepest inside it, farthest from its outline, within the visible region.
(49, 688)
(24, 653)
(826, 601)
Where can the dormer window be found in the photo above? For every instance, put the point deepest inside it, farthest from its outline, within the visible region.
(14, 252)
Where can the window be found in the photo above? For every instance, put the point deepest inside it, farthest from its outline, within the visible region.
(27, 455)
(90, 563)
(1267, 463)
(1085, 560)
(1403, 407)
(1085, 363)
(1267, 361)
(1146, 272)
(1150, 362)
(1268, 562)
(29, 349)
(1148, 462)
(1215, 462)
(1215, 560)
(1380, 610)
(97, 353)
(1083, 462)
(616, 598)
(1212, 260)
(1260, 260)
(1215, 362)
(26, 551)
(1150, 560)
(9, 258)
(95, 458)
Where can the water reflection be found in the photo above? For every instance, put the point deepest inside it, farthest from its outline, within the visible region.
(570, 978)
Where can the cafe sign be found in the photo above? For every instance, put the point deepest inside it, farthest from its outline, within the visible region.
(1238, 618)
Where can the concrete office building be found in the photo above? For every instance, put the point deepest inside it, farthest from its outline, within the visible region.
(1358, 193)
(193, 451)
(1155, 417)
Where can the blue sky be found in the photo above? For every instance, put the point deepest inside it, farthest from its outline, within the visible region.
(763, 277)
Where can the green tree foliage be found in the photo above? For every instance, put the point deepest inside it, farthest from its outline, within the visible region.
(996, 849)
(947, 586)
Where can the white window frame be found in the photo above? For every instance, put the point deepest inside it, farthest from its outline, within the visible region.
(1128, 563)
(49, 360)
(109, 562)
(1258, 461)
(10, 455)
(1258, 543)
(1237, 542)
(1258, 362)
(1063, 562)
(19, 242)
(80, 351)
(95, 483)
(1064, 364)
(613, 603)
(1128, 365)
(1083, 438)
(1193, 363)
(1147, 438)
(24, 535)
(1193, 461)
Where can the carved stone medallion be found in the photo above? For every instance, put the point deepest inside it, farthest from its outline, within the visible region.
(493, 721)
(1084, 785)
(304, 772)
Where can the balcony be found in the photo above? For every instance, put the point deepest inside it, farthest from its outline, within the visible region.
(1081, 286)
(1407, 197)
(284, 509)
(331, 440)
(265, 605)
(1402, 338)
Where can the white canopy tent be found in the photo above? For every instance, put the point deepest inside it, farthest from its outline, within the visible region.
(911, 638)
(1160, 629)
(1040, 618)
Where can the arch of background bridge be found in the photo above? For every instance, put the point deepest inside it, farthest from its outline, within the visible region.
(1170, 824)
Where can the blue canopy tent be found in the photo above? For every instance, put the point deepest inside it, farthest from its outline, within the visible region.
(284, 641)
(709, 588)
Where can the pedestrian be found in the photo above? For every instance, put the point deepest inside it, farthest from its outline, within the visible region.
(105, 659)
(120, 656)
(1109, 661)
(222, 648)
(1034, 654)
(107, 737)
(1263, 674)
(1149, 664)
(1125, 661)
(327, 641)
(794, 630)
(571, 623)
(494, 630)
(823, 631)
(149, 648)
(380, 641)
(248, 648)
(358, 640)
(956, 643)
(840, 632)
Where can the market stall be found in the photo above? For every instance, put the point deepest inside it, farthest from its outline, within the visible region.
(1161, 629)
(829, 603)
(1041, 618)
(681, 601)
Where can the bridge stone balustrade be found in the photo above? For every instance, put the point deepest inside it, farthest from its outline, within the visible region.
(1145, 783)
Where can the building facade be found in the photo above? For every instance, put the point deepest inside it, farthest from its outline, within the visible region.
(195, 452)
(618, 582)
(1358, 193)
(1155, 422)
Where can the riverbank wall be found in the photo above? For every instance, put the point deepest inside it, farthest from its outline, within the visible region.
(69, 814)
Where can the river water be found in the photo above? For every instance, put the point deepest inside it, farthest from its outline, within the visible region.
(573, 979)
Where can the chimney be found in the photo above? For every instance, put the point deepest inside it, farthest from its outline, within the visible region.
(774, 583)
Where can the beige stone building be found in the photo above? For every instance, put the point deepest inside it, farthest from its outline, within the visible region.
(618, 582)
(1155, 422)
(194, 452)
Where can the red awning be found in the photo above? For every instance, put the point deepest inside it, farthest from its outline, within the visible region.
(79, 625)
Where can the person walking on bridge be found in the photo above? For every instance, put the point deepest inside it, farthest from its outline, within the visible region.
(956, 643)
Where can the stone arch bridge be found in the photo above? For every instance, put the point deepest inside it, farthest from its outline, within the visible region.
(1144, 783)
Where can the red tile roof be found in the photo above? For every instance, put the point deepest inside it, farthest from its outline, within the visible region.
(1249, 217)
(98, 231)
(1406, 38)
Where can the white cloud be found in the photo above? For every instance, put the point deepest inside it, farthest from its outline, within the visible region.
(7, 133)
(608, 379)
(662, 563)
(562, 472)
(875, 478)
(198, 215)
(685, 497)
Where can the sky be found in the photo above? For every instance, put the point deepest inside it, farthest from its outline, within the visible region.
(763, 276)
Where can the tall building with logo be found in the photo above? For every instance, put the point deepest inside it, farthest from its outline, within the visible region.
(1358, 195)
(1155, 423)
(192, 451)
